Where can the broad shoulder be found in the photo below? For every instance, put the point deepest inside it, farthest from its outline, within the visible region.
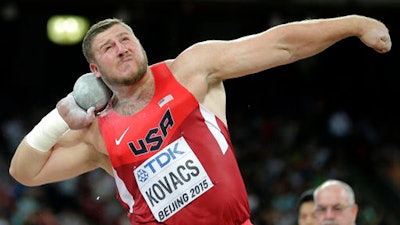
(197, 77)
(193, 61)
(185, 72)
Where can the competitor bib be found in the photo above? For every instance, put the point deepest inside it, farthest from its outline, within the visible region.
(171, 179)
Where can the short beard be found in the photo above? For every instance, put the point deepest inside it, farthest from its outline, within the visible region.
(142, 70)
(131, 80)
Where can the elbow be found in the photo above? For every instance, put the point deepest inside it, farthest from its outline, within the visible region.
(289, 55)
(291, 52)
(22, 179)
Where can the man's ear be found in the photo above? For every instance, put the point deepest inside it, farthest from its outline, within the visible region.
(93, 68)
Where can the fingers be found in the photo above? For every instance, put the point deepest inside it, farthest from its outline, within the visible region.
(90, 114)
(91, 110)
(380, 43)
(374, 34)
(74, 115)
(385, 44)
(377, 39)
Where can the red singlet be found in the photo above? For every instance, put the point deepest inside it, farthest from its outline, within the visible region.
(173, 161)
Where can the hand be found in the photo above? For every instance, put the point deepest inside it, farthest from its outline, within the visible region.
(75, 116)
(375, 35)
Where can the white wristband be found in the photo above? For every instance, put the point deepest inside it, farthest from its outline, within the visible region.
(46, 133)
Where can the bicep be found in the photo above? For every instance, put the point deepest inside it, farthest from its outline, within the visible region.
(68, 162)
(32, 167)
(221, 60)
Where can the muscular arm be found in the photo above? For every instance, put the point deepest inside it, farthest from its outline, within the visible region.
(76, 152)
(204, 66)
(283, 44)
(32, 167)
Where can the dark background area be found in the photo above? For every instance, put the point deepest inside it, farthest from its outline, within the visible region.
(349, 74)
(347, 77)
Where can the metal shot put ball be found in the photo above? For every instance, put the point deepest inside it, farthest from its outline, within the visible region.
(89, 91)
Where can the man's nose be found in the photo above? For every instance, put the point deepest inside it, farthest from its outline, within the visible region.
(121, 48)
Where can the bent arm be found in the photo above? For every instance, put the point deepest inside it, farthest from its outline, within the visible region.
(52, 152)
(310, 37)
(283, 44)
(32, 167)
(291, 42)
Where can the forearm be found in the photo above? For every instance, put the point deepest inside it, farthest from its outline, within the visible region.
(310, 37)
(49, 153)
(34, 151)
(290, 42)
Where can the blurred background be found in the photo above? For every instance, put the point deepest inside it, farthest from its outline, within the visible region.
(334, 115)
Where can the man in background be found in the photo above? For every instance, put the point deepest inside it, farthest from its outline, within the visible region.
(305, 209)
(335, 203)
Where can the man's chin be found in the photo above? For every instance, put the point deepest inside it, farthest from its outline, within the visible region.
(329, 222)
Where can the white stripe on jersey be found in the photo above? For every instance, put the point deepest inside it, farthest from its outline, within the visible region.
(212, 125)
(123, 192)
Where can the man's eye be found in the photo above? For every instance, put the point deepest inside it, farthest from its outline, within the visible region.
(320, 209)
(338, 208)
(124, 39)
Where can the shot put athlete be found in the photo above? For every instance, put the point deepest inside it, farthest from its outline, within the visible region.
(163, 135)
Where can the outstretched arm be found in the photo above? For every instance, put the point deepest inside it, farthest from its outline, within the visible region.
(202, 67)
(291, 42)
(282, 44)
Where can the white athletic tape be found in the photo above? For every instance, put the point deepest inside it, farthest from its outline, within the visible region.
(46, 133)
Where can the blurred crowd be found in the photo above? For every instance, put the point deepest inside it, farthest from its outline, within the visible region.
(280, 156)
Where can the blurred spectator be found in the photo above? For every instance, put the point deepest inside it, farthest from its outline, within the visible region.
(335, 203)
(305, 209)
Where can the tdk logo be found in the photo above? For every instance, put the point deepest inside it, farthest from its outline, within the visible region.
(142, 175)
(159, 161)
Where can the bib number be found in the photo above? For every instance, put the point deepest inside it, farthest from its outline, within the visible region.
(171, 179)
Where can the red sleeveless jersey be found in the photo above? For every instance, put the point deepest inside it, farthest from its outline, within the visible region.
(173, 161)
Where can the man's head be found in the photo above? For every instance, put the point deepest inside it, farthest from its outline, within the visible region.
(114, 53)
(96, 29)
(335, 203)
(305, 209)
